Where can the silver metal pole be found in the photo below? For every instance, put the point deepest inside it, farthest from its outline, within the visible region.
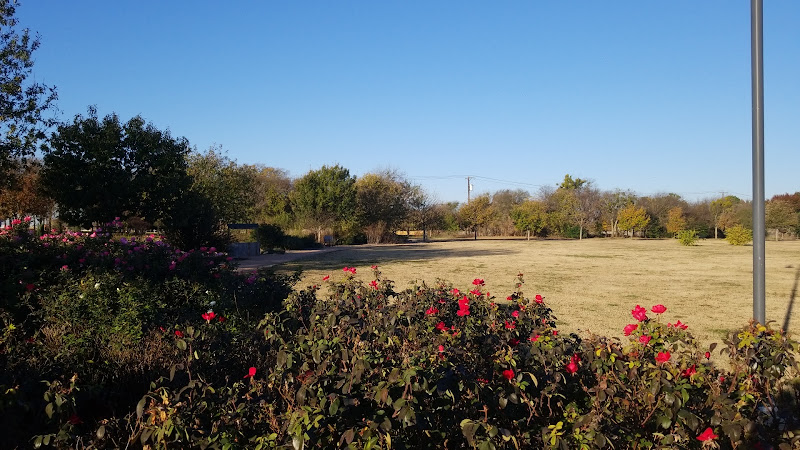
(759, 235)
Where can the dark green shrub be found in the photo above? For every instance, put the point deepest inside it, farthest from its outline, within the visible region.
(270, 237)
(301, 242)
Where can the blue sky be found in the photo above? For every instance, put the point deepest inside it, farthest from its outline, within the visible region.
(648, 96)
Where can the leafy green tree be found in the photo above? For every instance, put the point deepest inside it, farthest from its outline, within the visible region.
(97, 170)
(272, 188)
(739, 235)
(570, 183)
(24, 104)
(780, 216)
(503, 202)
(530, 216)
(325, 199)
(381, 204)
(228, 186)
(632, 218)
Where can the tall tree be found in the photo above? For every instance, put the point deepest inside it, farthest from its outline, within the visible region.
(325, 198)
(272, 188)
(722, 210)
(530, 216)
(780, 216)
(423, 211)
(676, 221)
(25, 196)
(613, 203)
(96, 170)
(632, 218)
(230, 187)
(382, 204)
(24, 104)
(476, 214)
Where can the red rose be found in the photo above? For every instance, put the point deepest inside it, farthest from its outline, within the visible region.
(515, 314)
(663, 357)
(208, 316)
(658, 309)
(251, 372)
(179, 333)
(572, 367)
(431, 311)
(326, 278)
(477, 282)
(707, 435)
(441, 326)
(630, 328)
(539, 298)
(639, 313)
(534, 338)
(510, 325)
(644, 339)
(689, 371)
(508, 374)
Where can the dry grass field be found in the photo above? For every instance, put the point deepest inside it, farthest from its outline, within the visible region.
(593, 284)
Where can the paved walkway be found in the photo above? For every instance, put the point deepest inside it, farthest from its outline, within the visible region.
(269, 260)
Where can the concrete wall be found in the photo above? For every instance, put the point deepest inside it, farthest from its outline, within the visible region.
(244, 249)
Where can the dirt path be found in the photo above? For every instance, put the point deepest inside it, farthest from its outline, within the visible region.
(269, 260)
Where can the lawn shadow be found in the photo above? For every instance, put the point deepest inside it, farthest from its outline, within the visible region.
(791, 301)
(367, 255)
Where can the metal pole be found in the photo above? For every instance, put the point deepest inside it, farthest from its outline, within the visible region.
(469, 188)
(759, 237)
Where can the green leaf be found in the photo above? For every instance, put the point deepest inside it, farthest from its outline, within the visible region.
(181, 344)
(49, 410)
(101, 432)
(140, 405)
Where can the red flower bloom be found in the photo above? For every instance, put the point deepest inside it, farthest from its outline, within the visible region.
(658, 309)
(441, 348)
(707, 435)
(555, 332)
(630, 328)
(515, 314)
(441, 326)
(222, 318)
(179, 333)
(350, 269)
(251, 372)
(572, 367)
(208, 316)
(539, 298)
(326, 278)
(508, 374)
(513, 342)
(510, 325)
(74, 419)
(663, 357)
(475, 292)
(374, 284)
(644, 339)
(534, 338)
(29, 287)
(689, 371)
(708, 355)
(374, 267)
(639, 313)
(509, 298)
(463, 312)
(431, 311)
(454, 291)
(680, 325)
(477, 282)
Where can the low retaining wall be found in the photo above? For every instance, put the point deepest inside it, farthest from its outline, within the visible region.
(244, 249)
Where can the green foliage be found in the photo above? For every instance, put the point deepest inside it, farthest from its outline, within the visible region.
(529, 216)
(687, 237)
(476, 214)
(270, 237)
(739, 235)
(382, 204)
(141, 344)
(23, 103)
(97, 169)
(632, 218)
(228, 186)
(325, 198)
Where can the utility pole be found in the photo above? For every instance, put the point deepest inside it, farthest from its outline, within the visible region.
(469, 189)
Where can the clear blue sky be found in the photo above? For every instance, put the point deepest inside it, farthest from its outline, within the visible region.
(642, 95)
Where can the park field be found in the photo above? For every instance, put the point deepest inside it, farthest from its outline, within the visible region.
(593, 284)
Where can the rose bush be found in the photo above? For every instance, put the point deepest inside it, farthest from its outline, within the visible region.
(146, 345)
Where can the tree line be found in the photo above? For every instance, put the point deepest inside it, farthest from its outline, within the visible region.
(93, 170)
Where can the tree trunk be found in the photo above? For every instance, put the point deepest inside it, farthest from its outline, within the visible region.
(715, 231)
(580, 234)
(476, 234)
(529, 234)
(776, 235)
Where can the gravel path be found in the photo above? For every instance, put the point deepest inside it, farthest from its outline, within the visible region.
(269, 260)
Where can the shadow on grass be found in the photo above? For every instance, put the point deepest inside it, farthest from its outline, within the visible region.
(792, 296)
(360, 256)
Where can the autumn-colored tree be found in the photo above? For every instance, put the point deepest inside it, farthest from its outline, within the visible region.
(476, 214)
(612, 203)
(676, 221)
(632, 218)
(25, 197)
(780, 216)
